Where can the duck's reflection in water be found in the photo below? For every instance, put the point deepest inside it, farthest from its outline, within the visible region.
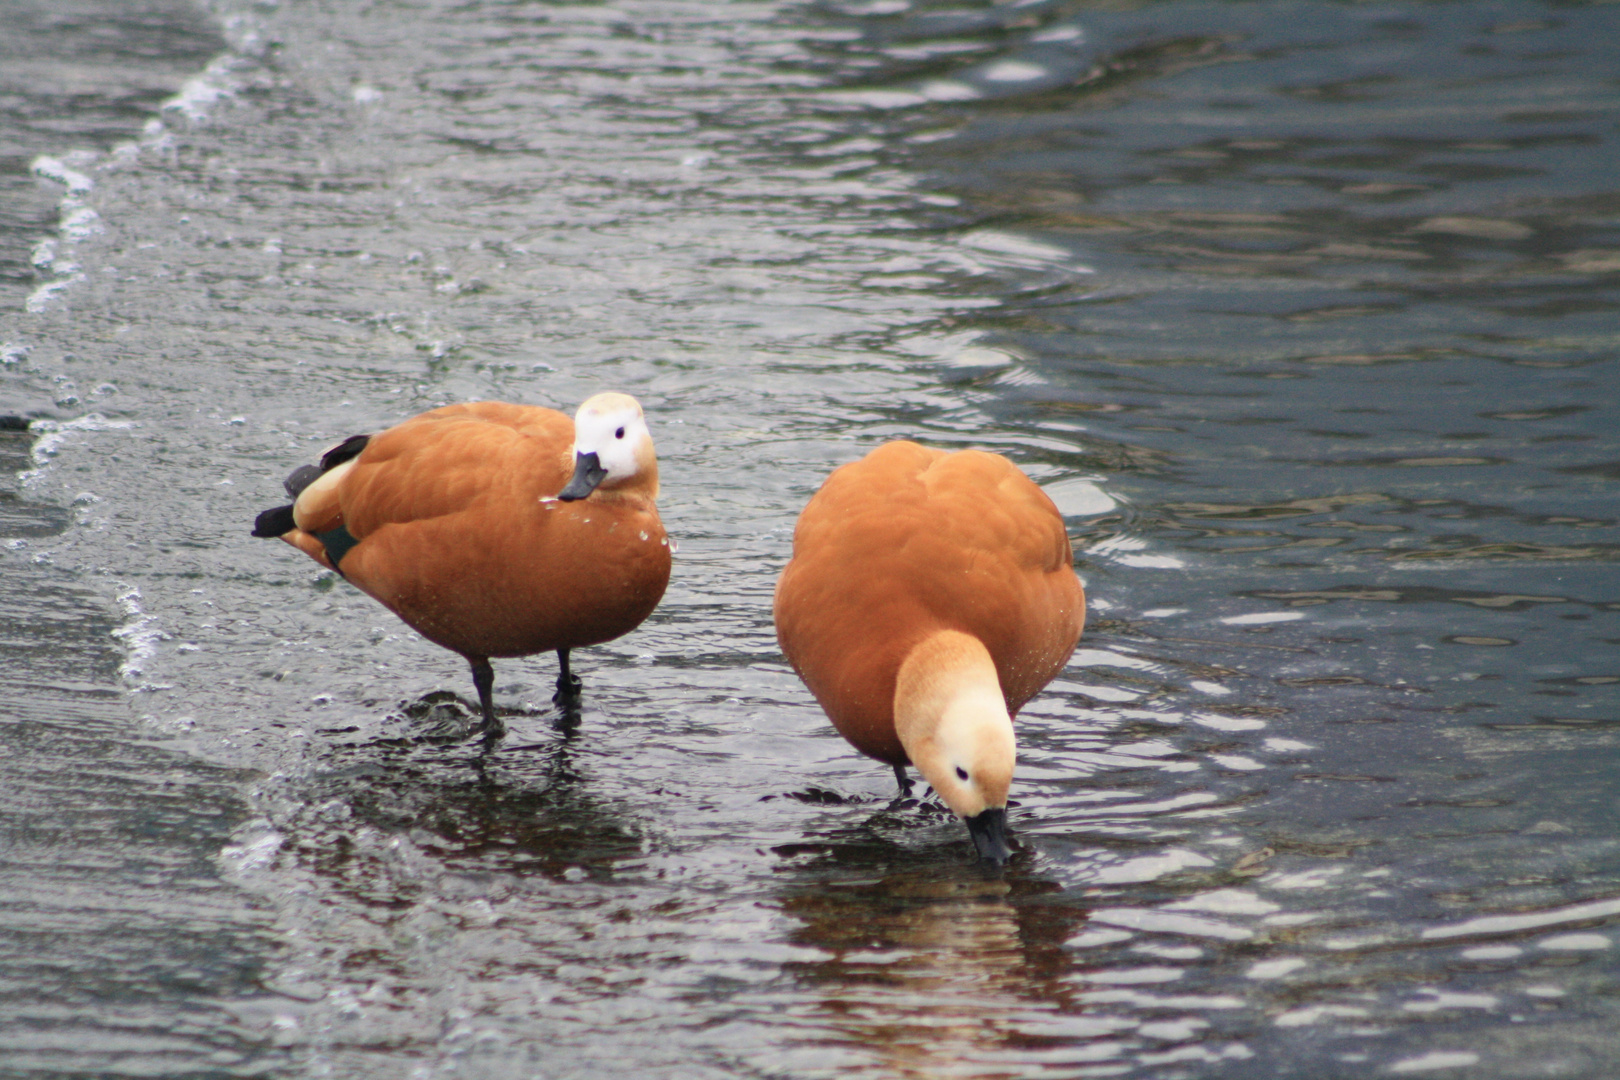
(457, 811)
(944, 970)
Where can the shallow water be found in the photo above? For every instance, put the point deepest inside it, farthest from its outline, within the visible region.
(1303, 312)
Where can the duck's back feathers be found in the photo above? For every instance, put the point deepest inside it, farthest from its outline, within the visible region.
(452, 459)
(909, 541)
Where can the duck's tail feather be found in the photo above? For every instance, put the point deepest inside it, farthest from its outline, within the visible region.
(279, 519)
(274, 521)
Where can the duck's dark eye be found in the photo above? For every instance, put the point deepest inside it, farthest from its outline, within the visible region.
(619, 434)
(961, 773)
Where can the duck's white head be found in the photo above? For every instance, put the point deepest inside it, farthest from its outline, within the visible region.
(612, 447)
(952, 719)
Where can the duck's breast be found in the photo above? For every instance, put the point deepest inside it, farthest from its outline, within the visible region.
(523, 579)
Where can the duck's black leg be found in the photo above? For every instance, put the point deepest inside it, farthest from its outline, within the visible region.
(484, 680)
(568, 684)
(905, 781)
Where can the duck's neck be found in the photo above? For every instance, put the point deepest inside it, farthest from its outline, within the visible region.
(645, 482)
(642, 487)
(949, 712)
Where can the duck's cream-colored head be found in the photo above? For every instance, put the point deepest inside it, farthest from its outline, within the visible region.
(952, 719)
(612, 448)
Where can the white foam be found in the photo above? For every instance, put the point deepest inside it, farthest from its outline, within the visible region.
(140, 634)
(40, 298)
(79, 223)
(198, 95)
(255, 848)
(54, 433)
(53, 169)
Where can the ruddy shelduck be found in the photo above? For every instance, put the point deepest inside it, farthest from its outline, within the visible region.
(930, 595)
(492, 529)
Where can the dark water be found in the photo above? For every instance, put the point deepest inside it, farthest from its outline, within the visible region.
(1305, 312)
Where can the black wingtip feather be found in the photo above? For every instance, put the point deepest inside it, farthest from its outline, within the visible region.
(344, 451)
(275, 521)
(301, 478)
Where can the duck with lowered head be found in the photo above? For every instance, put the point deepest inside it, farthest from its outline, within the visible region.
(930, 595)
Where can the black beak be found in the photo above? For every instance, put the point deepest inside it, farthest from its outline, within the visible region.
(588, 472)
(989, 832)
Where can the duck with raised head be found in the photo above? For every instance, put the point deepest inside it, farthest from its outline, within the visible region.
(492, 529)
(930, 595)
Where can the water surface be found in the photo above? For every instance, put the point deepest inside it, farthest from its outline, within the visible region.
(1303, 312)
